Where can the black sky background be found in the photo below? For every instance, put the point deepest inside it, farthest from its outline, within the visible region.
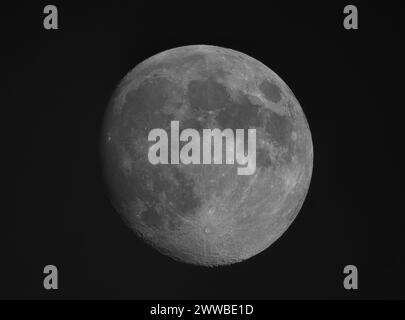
(56, 209)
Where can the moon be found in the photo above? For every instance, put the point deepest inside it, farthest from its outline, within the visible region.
(206, 214)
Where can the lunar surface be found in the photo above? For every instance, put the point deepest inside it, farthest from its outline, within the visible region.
(206, 214)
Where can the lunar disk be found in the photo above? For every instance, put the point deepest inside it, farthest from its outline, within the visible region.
(206, 214)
